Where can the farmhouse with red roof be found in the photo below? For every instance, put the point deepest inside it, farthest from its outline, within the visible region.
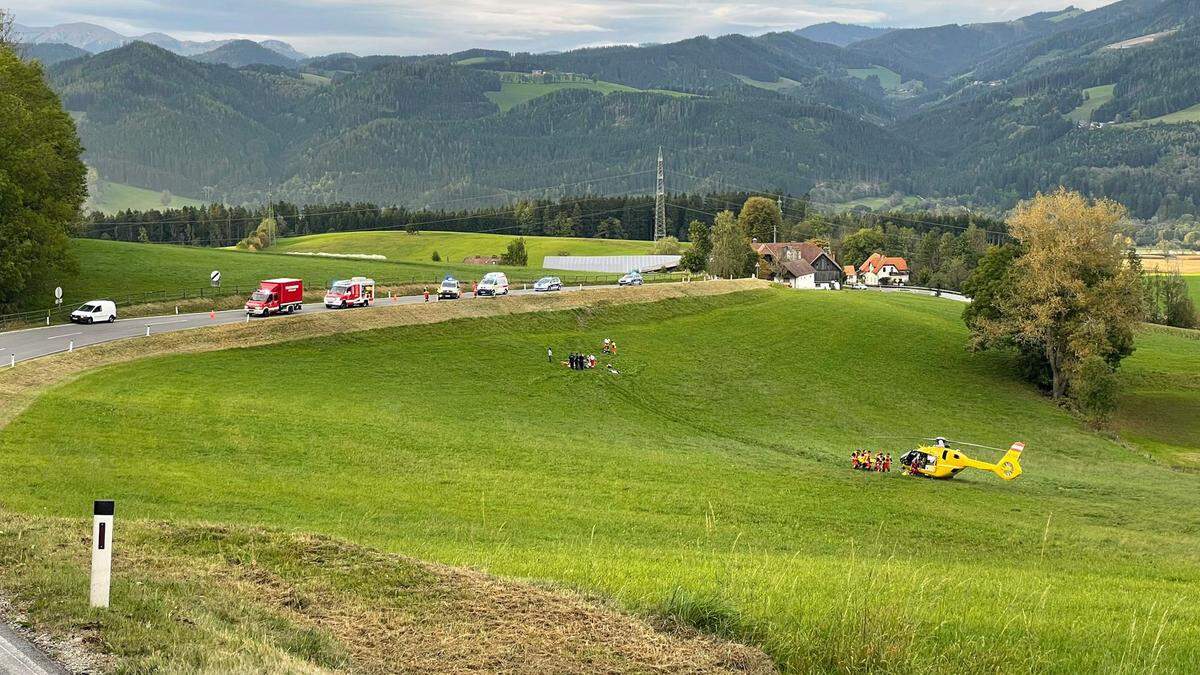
(881, 270)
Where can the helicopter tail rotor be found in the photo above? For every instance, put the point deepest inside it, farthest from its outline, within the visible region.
(1009, 466)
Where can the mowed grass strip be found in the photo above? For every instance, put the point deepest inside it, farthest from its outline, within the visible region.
(707, 482)
(211, 598)
(454, 247)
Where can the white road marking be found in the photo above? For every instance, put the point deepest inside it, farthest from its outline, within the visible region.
(164, 323)
(53, 337)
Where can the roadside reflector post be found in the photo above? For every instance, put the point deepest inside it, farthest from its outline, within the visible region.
(12, 360)
(176, 309)
(47, 318)
(247, 317)
(70, 346)
(147, 330)
(102, 534)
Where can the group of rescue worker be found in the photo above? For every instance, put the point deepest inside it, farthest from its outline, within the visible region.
(581, 361)
(865, 460)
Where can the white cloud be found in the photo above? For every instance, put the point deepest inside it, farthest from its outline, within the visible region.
(422, 26)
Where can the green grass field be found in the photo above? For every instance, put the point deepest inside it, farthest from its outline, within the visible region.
(1185, 116)
(515, 93)
(453, 247)
(121, 269)
(889, 79)
(708, 481)
(113, 197)
(781, 84)
(1094, 97)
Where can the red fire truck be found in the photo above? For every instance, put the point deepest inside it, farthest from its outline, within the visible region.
(356, 292)
(276, 296)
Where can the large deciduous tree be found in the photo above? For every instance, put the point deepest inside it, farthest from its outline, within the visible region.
(695, 259)
(732, 255)
(1067, 295)
(42, 184)
(760, 218)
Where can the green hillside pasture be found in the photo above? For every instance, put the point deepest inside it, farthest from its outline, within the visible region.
(113, 197)
(1185, 116)
(782, 84)
(513, 94)
(889, 79)
(454, 247)
(708, 481)
(1161, 407)
(122, 269)
(1094, 97)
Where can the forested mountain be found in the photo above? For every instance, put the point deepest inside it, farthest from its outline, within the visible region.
(978, 115)
(840, 34)
(245, 53)
(50, 53)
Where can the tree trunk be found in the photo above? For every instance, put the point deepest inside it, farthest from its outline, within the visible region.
(1058, 385)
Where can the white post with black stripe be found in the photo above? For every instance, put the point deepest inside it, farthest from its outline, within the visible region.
(102, 526)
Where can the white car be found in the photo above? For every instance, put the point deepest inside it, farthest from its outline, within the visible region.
(631, 279)
(493, 283)
(548, 284)
(449, 290)
(95, 311)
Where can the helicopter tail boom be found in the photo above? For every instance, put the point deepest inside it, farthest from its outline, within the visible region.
(1009, 466)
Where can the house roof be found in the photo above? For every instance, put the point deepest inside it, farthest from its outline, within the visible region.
(798, 268)
(848, 270)
(808, 251)
(878, 261)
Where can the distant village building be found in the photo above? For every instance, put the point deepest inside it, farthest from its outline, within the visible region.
(851, 274)
(881, 270)
(801, 264)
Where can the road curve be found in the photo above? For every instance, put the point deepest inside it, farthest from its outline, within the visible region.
(31, 343)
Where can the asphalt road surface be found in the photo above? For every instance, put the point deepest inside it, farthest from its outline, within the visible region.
(30, 343)
(18, 657)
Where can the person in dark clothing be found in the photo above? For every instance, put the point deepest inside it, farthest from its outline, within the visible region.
(549, 355)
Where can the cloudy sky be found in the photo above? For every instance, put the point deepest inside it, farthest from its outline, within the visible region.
(425, 26)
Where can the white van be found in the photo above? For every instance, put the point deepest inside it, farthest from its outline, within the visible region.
(95, 311)
(494, 283)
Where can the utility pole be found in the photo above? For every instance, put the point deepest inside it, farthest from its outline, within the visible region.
(774, 225)
(660, 201)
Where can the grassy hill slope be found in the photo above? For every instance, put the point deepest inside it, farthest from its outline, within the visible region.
(708, 481)
(515, 90)
(122, 270)
(113, 197)
(453, 247)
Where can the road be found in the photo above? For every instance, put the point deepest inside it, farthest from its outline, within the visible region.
(19, 657)
(31, 343)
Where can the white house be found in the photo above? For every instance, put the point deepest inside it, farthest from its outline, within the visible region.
(881, 270)
(801, 264)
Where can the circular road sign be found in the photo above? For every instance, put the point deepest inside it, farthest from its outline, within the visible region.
(216, 277)
(58, 295)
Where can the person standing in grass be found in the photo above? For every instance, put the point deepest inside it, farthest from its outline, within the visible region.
(426, 294)
(887, 463)
(549, 355)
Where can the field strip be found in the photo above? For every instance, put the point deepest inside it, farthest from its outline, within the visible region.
(21, 385)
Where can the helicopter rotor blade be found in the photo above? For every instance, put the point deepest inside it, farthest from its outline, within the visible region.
(975, 445)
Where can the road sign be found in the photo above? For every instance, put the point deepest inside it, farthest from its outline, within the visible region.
(58, 295)
(215, 277)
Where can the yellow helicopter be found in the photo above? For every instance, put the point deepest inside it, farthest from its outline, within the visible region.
(942, 461)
